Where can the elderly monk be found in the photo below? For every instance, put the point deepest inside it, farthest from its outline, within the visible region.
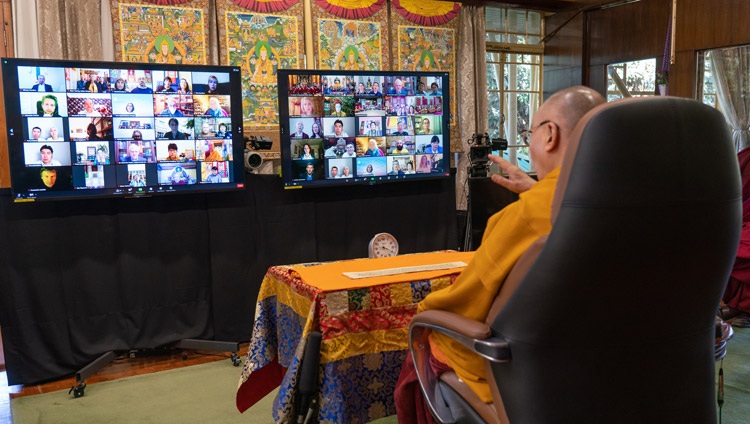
(508, 234)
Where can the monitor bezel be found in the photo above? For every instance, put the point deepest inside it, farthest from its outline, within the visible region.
(15, 121)
(285, 131)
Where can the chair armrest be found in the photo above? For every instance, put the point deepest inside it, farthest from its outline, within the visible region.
(453, 322)
(476, 336)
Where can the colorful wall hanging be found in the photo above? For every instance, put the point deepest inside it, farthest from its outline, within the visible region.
(428, 48)
(340, 42)
(349, 45)
(261, 44)
(160, 34)
(265, 6)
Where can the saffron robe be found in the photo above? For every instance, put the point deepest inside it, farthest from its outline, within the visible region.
(508, 235)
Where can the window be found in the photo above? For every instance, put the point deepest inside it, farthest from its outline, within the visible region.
(706, 82)
(724, 83)
(631, 79)
(514, 76)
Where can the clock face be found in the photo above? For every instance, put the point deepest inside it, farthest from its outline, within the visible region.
(383, 245)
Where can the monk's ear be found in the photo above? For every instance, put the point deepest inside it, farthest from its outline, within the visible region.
(552, 142)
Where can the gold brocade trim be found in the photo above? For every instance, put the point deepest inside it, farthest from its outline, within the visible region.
(267, 288)
(272, 286)
(441, 282)
(401, 294)
(378, 341)
(300, 304)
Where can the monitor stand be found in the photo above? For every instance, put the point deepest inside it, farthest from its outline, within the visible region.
(194, 344)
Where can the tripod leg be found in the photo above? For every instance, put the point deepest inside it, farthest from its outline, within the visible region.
(467, 232)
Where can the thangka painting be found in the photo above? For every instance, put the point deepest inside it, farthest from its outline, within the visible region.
(343, 43)
(349, 45)
(160, 34)
(261, 44)
(428, 49)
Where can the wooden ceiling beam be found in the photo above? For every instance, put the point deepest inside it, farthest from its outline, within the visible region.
(551, 6)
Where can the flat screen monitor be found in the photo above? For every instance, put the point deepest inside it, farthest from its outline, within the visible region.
(363, 127)
(101, 129)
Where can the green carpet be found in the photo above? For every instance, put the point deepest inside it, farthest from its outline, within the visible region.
(205, 394)
(736, 408)
(196, 394)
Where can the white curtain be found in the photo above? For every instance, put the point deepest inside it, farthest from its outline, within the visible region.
(731, 68)
(25, 28)
(472, 90)
(53, 29)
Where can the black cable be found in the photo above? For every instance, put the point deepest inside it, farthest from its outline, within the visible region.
(720, 395)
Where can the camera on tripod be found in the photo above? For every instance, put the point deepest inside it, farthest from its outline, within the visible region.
(253, 159)
(259, 142)
(481, 147)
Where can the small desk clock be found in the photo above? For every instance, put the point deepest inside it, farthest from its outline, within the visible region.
(382, 245)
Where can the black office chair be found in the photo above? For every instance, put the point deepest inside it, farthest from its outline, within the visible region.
(613, 316)
(308, 384)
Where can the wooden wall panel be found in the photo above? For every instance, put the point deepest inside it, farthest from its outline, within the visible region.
(683, 74)
(638, 31)
(629, 32)
(563, 53)
(6, 50)
(705, 24)
(564, 49)
(554, 80)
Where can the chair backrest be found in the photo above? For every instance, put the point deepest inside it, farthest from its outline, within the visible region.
(613, 319)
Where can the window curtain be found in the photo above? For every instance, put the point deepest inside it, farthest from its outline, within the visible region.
(732, 74)
(472, 90)
(79, 30)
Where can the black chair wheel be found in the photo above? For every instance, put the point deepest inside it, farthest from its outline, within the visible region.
(78, 391)
(236, 360)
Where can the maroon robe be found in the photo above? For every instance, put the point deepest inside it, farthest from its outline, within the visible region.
(737, 293)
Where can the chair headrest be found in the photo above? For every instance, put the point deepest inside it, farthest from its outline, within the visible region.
(685, 139)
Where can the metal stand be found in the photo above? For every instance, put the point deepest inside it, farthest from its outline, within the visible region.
(88, 371)
(484, 199)
(473, 172)
(218, 346)
(213, 345)
(467, 230)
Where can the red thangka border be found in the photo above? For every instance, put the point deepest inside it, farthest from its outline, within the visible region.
(414, 16)
(266, 6)
(166, 2)
(343, 8)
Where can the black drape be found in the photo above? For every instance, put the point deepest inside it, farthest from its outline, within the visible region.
(80, 278)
